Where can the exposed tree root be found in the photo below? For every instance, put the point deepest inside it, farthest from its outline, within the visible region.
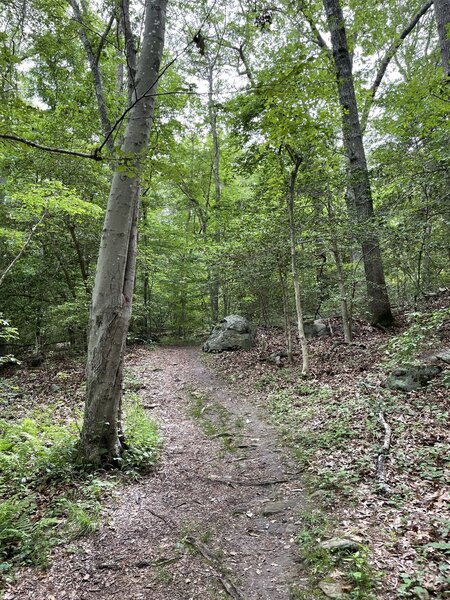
(226, 583)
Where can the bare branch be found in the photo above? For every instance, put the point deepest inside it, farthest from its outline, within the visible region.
(319, 39)
(95, 155)
(96, 75)
(387, 59)
(102, 41)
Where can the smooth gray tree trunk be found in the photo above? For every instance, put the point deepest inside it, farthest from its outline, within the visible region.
(112, 295)
(296, 159)
(361, 194)
(442, 14)
(214, 275)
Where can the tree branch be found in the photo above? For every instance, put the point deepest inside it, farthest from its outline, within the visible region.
(24, 247)
(130, 49)
(96, 75)
(102, 41)
(387, 59)
(319, 39)
(95, 155)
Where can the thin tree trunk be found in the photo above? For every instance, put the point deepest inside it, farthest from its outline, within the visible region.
(287, 320)
(112, 295)
(23, 249)
(345, 311)
(81, 260)
(214, 271)
(295, 276)
(362, 209)
(442, 14)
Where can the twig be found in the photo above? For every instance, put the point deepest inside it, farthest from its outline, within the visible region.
(167, 521)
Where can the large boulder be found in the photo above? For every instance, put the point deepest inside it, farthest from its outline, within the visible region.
(232, 333)
(408, 379)
(316, 329)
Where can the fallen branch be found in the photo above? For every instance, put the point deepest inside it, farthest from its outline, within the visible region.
(226, 583)
(384, 451)
(161, 517)
(140, 564)
(234, 482)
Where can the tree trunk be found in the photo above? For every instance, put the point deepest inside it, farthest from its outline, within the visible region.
(112, 295)
(214, 286)
(298, 303)
(345, 311)
(96, 74)
(362, 204)
(442, 14)
(287, 319)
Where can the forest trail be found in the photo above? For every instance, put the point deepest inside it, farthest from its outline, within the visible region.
(216, 520)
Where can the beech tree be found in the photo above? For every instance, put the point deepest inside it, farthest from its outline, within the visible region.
(101, 436)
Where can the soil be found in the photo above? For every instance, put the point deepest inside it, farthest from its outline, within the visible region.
(215, 520)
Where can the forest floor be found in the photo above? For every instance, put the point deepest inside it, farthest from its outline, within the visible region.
(259, 468)
(216, 519)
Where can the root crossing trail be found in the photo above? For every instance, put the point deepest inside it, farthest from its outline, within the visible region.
(216, 520)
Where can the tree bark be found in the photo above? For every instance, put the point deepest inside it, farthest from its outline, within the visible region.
(345, 311)
(296, 159)
(112, 296)
(442, 14)
(362, 204)
(287, 319)
(214, 285)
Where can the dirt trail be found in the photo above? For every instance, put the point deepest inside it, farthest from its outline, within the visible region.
(237, 507)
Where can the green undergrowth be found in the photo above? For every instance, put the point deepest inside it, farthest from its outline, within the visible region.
(314, 425)
(420, 336)
(214, 419)
(46, 496)
(335, 439)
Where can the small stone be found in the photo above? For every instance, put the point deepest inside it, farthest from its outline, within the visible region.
(340, 544)
(332, 589)
(273, 508)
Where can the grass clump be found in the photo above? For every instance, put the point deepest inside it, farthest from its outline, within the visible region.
(143, 442)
